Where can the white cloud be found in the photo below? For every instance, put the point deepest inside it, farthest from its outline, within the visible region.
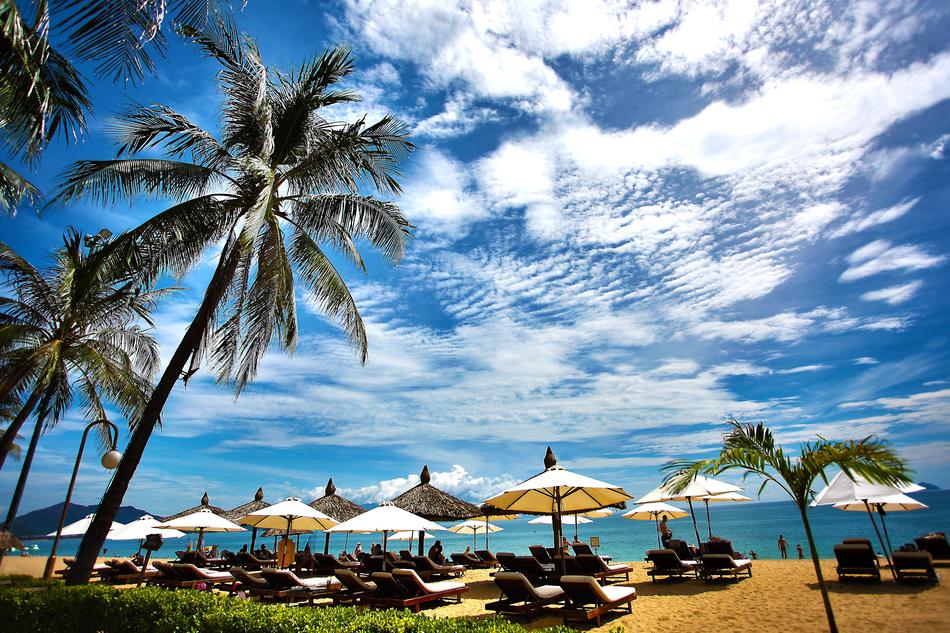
(894, 295)
(802, 369)
(879, 257)
(439, 195)
(786, 326)
(865, 360)
(861, 222)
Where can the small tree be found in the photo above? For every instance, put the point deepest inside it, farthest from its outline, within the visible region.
(754, 450)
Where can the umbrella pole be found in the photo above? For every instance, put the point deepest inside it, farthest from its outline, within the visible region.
(692, 514)
(708, 520)
(253, 537)
(385, 545)
(557, 529)
(346, 541)
(887, 554)
(326, 543)
(201, 537)
(474, 539)
(887, 537)
(422, 541)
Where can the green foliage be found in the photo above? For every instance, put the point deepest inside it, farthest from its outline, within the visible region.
(93, 608)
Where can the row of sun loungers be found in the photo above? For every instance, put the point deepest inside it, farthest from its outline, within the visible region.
(667, 563)
(572, 598)
(402, 588)
(855, 558)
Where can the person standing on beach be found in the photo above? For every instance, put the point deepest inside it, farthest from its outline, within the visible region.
(783, 546)
(801, 552)
(665, 533)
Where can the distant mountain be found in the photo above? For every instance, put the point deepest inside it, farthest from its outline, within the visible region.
(42, 522)
(929, 486)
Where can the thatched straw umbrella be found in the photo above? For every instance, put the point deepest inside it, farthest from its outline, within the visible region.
(337, 507)
(204, 505)
(255, 504)
(428, 502)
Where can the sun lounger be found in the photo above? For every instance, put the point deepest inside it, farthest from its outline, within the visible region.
(328, 563)
(254, 586)
(487, 556)
(125, 571)
(936, 545)
(914, 566)
(858, 541)
(541, 554)
(718, 547)
(390, 592)
(520, 597)
(722, 565)
(200, 560)
(97, 570)
(593, 565)
(193, 575)
(681, 548)
(418, 588)
(667, 563)
(507, 561)
(285, 584)
(856, 560)
(166, 577)
(587, 600)
(427, 568)
(469, 561)
(406, 555)
(537, 573)
(354, 589)
(252, 562)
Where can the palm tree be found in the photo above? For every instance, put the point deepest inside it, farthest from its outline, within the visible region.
(279, 185)
(72, 329)
(753, 450)
(42, 95)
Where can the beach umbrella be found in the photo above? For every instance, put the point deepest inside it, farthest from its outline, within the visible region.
(648, 511)
(428, 502)
(598, 514)
(387, 518)
(489, 513)
(557, 491)
(204, 505)
(856, 489)
(569, 519)
(241, 511)
(882, 505)
(337, 507)
(289, 514)
(140, 528)
(699, 488)
(475, 527)
(202, 521)
(79, 527)
(734, 497)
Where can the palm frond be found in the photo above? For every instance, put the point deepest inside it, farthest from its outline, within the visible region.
(16, 191)
(109, 182)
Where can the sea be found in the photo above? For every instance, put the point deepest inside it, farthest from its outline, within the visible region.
(750, 526)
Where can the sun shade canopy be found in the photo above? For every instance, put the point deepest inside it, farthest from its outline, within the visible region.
(387, 518)
(650, 511)
(846, 489)
(292, 514)
(577, 493)
(698, 488)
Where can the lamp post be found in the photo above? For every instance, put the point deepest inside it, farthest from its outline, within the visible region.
(110, 460)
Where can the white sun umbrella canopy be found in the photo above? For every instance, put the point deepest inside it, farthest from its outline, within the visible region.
(387, 518)
(289, 514)
(567, 519)
(653, 512)
(890, 503)
(474, 527)
(202, 521)
(699, 488)
(557, 491)
(141, 528)
(79, 527)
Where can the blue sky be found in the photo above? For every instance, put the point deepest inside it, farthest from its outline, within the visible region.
(633, 222)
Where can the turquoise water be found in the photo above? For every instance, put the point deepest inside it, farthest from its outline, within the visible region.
(748, 525)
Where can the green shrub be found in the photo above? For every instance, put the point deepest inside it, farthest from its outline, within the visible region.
(96, 608)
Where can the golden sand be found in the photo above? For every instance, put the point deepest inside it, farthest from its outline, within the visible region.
(781, 597)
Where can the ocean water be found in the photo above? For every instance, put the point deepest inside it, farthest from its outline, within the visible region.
(754, 526)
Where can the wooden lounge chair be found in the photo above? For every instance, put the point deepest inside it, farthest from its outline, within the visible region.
(97, 570)
(593, 565)
(856, 560)
(421, 591)
(667, 563)
(251, 562)
(192, 575)
(406, 555)
(125, 571)
(487, 557)
(537, 573)
(587, 600)
(354, 589)
(200, 560)
(858, 541)
(718, 547)
(327, 564)
(285, 584)
(520, 597)
(507, 561)
(469, 561)
(542, 554)
(936, 545)
(682, 549)
(166, 577)
(427, 568)
(254, 586)
(722, 565)
(914, 566)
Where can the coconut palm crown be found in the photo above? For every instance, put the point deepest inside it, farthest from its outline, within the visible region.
(753, 449)
(280, 183)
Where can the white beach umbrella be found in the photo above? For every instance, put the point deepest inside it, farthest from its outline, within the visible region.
(202, 521)
(79, 527)
(648, 511)
(289, 514)
(567, 519)
(598, 514)
(556, 491)
(138, 529)
(856, 489)
(405, 535)
(387, 518)
(500, 516)
(890, 503)
(474, 527)
(699, 488)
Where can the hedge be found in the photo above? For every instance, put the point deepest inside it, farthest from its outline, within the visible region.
(97, 608)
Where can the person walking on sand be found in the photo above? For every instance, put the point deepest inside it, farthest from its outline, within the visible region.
(783, 546)
(801, 552)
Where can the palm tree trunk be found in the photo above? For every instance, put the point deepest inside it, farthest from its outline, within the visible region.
(24, 473)
(96, 534)
(9, 436)
(832, 626)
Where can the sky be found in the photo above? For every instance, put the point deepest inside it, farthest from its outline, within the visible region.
(633, 222)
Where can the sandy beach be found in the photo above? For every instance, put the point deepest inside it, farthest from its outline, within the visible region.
(781, 597)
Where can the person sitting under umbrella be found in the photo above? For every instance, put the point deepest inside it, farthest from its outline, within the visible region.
(436, 554)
